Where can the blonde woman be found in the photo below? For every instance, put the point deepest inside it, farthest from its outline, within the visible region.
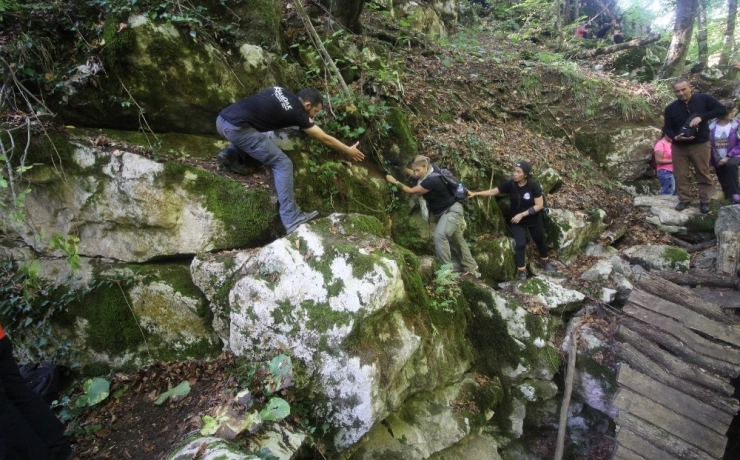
(451, 220)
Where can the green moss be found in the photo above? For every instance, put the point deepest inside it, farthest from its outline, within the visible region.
(495, 257)
(702, 223)
(111, 326)
(118, 44)
(246, 213)
(321, 317)
(599, 371)
(678, 258)
(488, 331)
(534, 286)
(399, 127)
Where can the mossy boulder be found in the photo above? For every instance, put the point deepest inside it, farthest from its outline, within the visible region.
(623, 152)
(158, 77)
(570, 231)
(349, 306)
(126, 316)
(495, 257)
(151, 210)
(659, 257)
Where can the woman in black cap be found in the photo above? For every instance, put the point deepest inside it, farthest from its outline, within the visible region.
(527, 203)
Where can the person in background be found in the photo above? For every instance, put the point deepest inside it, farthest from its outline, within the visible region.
(606, 28)
(723, 137)
(244, 124)
(525, 196)
(448, 234)
(29, 430)
(691, 111)
(664, 165)
(582, 31)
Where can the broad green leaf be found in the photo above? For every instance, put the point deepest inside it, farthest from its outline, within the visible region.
(183, 389)
(96, 390)
(276, 409)
(281, 365)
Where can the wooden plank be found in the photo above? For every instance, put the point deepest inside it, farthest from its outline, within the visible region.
(674, 399)
(674, 365)
(622, 453)
(670, 343)
(650, 368)
(671, 292)
(691, 339)
(662, 439)
(689, 318)
(689, 431)
(634, 443)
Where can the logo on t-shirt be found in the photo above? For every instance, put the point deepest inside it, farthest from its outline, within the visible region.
(283, 100)
(526, 196)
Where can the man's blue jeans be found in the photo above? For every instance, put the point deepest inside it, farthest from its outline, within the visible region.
(667, 182)
(260, 147)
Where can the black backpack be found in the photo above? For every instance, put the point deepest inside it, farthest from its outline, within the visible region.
(454, 185)
(44, 378)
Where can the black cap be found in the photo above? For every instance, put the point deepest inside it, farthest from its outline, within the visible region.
(525, 166)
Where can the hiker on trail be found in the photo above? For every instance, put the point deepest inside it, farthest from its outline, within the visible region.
(723, 137)
(28, 427)
(601, 33)
(582, 31)
(664, 165)
(244, 124)
(449, 244)
(686, 112)
(527, 203)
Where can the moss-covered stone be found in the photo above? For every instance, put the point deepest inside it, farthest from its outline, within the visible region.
(678, 258)
(247, 213)
(495, 257)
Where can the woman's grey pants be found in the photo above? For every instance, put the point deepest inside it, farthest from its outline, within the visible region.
(448, 239)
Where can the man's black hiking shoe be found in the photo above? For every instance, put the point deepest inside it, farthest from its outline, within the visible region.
(302, 219)
(227, 159)
(681, 205)
(704, 208)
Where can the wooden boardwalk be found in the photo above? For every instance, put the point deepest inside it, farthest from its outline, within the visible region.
(677, 354)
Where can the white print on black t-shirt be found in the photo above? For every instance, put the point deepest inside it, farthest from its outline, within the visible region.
(283, 100)
(526, 196)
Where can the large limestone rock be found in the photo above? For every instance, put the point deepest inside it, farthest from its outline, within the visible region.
(126, 207)
(427, 423)
(623, 152)
(689, 223)
(423, 18)
(126, 316)
(318, 293)
(659, 257)
(173, 80)
(727, 229)
(570, 231)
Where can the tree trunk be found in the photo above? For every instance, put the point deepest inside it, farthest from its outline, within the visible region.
(701, 34)
(347, 12)
(700, 279)
(729, 45)
(682, 29)
(559, 23)
(614, 48)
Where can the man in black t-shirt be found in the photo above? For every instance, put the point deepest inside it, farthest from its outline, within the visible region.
(244, 124)
(694, 110)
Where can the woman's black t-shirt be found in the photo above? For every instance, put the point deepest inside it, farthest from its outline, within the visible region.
(438, 198)
(522, 198)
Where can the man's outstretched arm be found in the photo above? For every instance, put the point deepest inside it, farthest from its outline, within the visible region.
(351, 150)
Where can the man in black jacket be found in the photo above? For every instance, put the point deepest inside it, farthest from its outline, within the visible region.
(695, 111)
